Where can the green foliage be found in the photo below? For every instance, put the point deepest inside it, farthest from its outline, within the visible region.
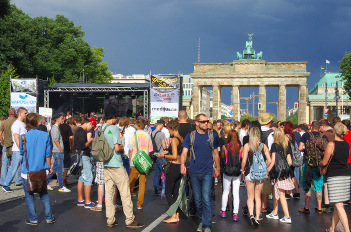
(293, 118)
(4, 7)
(5, 83)
(345, 69)
(52, 81)
(247, 116)
(46, 47)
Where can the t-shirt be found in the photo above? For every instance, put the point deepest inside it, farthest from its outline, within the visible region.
(167, 134)
(42, 128)
(185, 128)
(19, 128)
(160, 136)
(242, 134)
(112, 136)
(276, 147)
(126, 138)
(5, 127)
(66, 132)
(144, 143)
(38, 148)
(203, 162)
(347, 138)
(270, 138)
(80, 139)
(330, 135)
(55, 134)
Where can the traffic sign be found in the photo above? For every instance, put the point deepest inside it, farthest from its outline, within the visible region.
(325, 114)
(326, 110)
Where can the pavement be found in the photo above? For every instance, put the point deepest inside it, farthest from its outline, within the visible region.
(70, 217)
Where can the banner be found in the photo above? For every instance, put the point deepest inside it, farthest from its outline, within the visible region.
(164, 96)
(45, 112)
(24, 85)
(24, 100)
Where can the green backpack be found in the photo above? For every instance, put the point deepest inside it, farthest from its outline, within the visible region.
(141, 160)
(101, 149)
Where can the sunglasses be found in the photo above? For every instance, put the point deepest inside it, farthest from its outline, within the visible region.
(205, 121)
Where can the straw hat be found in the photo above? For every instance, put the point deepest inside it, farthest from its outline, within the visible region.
(265, 118)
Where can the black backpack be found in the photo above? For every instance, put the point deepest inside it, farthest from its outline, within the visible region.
(281, 169)
(156, 149)
(264, 136)
(231, 166)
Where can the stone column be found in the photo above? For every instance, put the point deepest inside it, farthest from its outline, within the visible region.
(216, 104)
(195, 100)
(236, 102)
(311, 109)
(282, 103)
(302, 115)
(262, 99)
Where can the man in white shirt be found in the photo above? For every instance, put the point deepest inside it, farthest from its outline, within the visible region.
(166, 131)
(129, 131)
(244, 129)
(17, 129)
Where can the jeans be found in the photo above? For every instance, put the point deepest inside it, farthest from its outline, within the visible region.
(57, 168)
(157, 173)
(126, 164)
(14, 170)
(202, 184)
(86, 175)
(297, 174)
(30, 203)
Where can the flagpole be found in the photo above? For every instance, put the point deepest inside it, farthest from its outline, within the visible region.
(326, 66)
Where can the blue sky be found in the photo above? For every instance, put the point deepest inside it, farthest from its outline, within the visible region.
(161, 36)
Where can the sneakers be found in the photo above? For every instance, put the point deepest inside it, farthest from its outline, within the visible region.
(113, 224)
(319, 211)
(199, 228)
(80, 203)
(296, 195)
(303, 210)
(222, 214)
(260, 218)
(64, 190)
(7, 189)
(207, 229)
(51, 221)
(235, 217)
(89, 205)
(49, 188)
(140, 207)
(272, 216)
(287, 196)
(28, 222)
(245, 210)
(285, 220)
(135, 224)
(254, 222)
(97, 209)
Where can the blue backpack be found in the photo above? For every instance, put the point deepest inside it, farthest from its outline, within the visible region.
(258, 168)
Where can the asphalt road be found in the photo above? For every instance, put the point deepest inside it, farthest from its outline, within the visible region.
(70, 217)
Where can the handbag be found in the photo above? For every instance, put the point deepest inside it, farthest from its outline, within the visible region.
(323, 170)
(165, 167)
(141, 160)
(36, 180)
(76, 163)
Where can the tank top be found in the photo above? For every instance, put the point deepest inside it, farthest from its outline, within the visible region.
(338, 164)
(179, 147)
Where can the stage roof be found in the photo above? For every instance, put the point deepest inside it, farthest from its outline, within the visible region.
(99, 87)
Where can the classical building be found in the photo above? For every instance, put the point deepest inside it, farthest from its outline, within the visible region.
(323, 95)
(249, 70)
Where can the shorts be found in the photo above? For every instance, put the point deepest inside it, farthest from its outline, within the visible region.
(267, 187)
(66, 160)
(86, 174)
(99, 177)
(317, 181)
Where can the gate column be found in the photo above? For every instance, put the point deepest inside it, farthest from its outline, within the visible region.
(262, 99)
(282, 103)
(236, 102)
(302, 115)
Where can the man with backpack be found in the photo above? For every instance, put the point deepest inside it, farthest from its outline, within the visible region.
(204, 151)
(313, 144)
(267, 138)
(115, 174)
(159, 144)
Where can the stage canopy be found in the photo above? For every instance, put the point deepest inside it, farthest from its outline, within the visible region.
(79, 93)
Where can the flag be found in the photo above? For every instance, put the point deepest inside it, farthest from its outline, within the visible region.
(327, 61)
(322, 67)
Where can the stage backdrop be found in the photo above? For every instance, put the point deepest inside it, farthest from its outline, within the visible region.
(164, 96)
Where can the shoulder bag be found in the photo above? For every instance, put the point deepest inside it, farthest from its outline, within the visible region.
(141, 160)
(36, 180)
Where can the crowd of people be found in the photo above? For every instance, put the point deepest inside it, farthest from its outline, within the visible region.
(271, 159)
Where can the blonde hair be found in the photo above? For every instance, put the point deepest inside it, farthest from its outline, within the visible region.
(279, 137)
(340, 129)
(227, 128)
(254, 138)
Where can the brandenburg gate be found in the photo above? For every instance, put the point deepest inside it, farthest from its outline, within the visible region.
(249, 70)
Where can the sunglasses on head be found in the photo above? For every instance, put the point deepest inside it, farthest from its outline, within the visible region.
(205, 121)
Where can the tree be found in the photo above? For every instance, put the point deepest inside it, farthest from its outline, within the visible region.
(5, 83)
(49, 48)
(293, 118)
(345, 70)
(247, 116)
(4, 7)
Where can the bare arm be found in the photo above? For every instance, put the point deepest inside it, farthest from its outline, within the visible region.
(217, 162)
(1, 138)
(57, 143)
(174, 145)
(168, 141)
(164, 145)
(272, 162)
(301, 146)
(288, 158)
(118, 147)
(268, 156)
(183, 159)
(329, 150)
(89, 139)
(71, 143)
(48, 160)
(223, 152)
(244, 157)
(16, 136)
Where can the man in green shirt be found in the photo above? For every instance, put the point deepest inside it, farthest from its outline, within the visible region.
(116, 174)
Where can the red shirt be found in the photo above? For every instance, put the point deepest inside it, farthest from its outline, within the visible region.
(347, 138)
